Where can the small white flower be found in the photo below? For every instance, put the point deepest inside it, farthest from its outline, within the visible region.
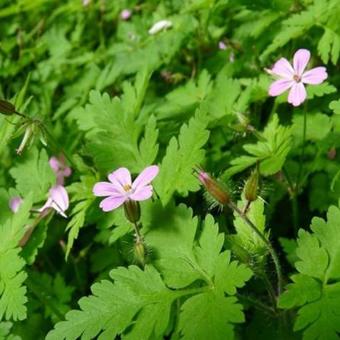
(160, 26)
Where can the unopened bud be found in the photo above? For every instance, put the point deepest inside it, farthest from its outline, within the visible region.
(251, 186)
(132, 211)
(139, 251)
(214, 188)
(7, 108)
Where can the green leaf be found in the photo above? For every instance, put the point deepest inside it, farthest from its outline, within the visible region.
(12, 291)
(329, 46)
(34, 175)
(112, 307)
(182, 154)
(335, 106)
(245, 236)
(316, 289)
(82, 194)
(171, 242)
(138, 304)
(320, 90)
(113, 129)
(217, 104)
(313, 258)
(289, 246)
(305, 289)
(318, 126)
(5, 331)
(185, 98)
(210, 315)
(271, 152)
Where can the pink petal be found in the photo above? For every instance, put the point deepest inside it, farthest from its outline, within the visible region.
(54, 164)
(142, 193)
(15, 203)
(283, 68)
(315, 76)
(67, 171)
(111, 203)
(280, 86)
(47, 205)
(146, 176)
(297, 94)
(301, 59)
(125, 14)
(102, 189)
(121, 177)
(60, 199)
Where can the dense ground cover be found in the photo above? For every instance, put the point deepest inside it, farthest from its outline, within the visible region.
(169, 169)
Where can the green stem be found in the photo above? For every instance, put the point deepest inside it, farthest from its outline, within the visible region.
(293, 199)
(256, 303)
(304, 132)
(266, 242)
(269, 287)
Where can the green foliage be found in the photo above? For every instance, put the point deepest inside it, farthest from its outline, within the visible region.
(245, 237)
(82, 194)
(98, 90)
(271, 151)
(113, 122)
(34, 175)
(316, 289)
(141, 296)
(182, 154)
(12, 276)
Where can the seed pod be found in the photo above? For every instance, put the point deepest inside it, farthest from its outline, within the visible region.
(251, 186)
(214, 188)
(7, 108)
(132, 211)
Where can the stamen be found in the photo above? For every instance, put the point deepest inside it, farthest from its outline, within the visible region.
(127, 187)
(297, 78)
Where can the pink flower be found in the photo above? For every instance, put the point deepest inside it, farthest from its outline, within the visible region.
(125, 14)
(222, 45)
(60, 169)
(120, 188)
(294, 77)
(57, 200)
(15, 203)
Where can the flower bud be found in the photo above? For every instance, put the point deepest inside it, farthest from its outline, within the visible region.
(214, 188)
(139, 251)
(132, 211)
(251, 186)
(7, 108)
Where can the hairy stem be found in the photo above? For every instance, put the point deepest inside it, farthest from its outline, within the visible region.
(266, 242)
